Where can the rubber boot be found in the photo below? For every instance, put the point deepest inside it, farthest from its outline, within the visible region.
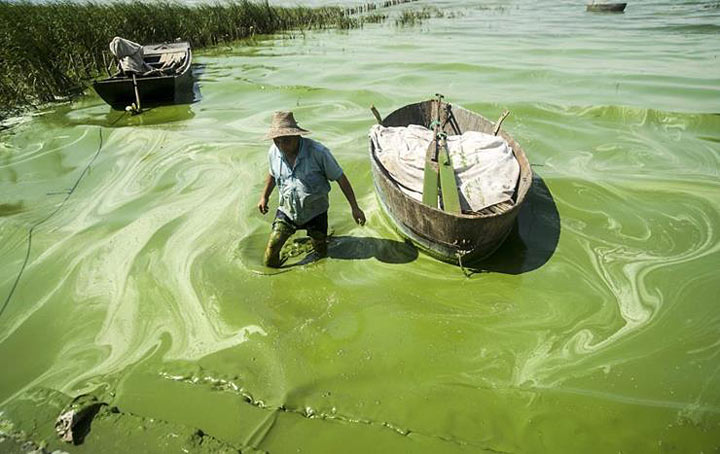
(272, 250)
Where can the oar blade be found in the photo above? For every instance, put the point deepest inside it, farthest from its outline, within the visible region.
(430, 184)
(448, 185)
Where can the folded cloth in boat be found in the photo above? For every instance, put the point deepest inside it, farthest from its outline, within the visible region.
(486, 170)
(130, 55)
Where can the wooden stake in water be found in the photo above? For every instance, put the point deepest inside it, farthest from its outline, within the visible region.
(376, 114)
(498, 123)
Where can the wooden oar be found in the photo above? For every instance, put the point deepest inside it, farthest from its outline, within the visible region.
(448, 185)
(137, 108)
(431, 177)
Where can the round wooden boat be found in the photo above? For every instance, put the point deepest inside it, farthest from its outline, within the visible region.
(454, 238)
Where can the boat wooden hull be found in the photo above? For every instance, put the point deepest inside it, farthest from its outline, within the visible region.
(606, 7)
(448, 237)
(119, 92)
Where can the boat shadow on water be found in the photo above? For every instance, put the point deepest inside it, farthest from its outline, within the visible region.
(533, 239)
(363, 248)
(103, 116)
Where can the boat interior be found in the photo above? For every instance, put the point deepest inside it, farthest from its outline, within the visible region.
(166, 59)
(456, 120)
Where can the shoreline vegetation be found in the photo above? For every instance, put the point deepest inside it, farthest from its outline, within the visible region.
(50, 52)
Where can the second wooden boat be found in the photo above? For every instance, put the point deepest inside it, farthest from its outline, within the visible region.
(158, 87)
(606, 7)
(454, 238)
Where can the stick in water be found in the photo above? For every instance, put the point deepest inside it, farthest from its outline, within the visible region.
(500, 120)
(376, 114)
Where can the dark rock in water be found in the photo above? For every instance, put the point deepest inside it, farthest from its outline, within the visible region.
(74, 422)
(26, 426)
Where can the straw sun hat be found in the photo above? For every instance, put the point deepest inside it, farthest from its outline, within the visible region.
(284, 124)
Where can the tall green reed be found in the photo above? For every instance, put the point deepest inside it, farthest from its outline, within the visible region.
(50, 51)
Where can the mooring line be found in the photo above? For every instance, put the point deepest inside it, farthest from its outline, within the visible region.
(45, 219)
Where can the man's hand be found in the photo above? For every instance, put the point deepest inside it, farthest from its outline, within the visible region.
(263, 205)
(358, 215)
(347, 189)
(267, 190)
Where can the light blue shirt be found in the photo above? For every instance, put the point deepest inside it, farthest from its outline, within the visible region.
(304, 188)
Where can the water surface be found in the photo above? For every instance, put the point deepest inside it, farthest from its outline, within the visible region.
(595, 329)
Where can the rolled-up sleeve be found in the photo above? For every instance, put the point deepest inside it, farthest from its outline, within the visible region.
(270, 162)
(332, 169)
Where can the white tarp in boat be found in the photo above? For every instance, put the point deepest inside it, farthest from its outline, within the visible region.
(130, 55)
(486, 170)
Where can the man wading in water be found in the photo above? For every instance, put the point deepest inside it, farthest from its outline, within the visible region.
(300, 168)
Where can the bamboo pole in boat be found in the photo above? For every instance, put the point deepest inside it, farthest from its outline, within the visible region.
(137, 94)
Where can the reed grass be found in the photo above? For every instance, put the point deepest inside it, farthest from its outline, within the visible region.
(374, 18)
(410, 18)
(51, 51)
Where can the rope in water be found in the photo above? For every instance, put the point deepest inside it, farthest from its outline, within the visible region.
(55, 211)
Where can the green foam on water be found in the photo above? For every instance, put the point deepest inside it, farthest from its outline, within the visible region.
(593, 329)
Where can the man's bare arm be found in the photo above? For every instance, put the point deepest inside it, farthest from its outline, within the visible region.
(267, 190)
(347, 189)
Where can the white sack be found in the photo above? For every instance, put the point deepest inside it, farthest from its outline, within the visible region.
(130, 55)
(485, 168)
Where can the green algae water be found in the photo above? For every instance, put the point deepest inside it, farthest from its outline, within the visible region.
(594, 329)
